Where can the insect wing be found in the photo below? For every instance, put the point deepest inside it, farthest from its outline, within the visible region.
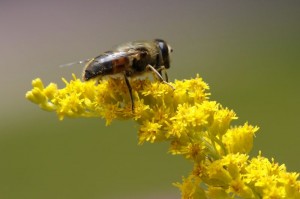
(75, 63)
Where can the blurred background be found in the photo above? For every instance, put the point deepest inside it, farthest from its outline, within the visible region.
(247, 51)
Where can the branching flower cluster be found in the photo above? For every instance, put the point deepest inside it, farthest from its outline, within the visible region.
(197, 128)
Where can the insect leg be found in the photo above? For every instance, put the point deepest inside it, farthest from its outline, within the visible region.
(166, 76)
(162, 68)
(159, 76)
(130, 92)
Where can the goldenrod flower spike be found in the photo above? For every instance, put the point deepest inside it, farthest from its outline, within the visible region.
(196, 128)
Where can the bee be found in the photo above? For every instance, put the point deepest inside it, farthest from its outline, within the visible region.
(130, 60)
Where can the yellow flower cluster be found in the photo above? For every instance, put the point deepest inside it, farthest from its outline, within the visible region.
(197, 128)
(237, 176)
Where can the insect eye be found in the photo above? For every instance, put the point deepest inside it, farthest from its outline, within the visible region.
(163, 47)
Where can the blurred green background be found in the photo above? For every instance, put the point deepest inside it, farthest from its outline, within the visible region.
(247, 51)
